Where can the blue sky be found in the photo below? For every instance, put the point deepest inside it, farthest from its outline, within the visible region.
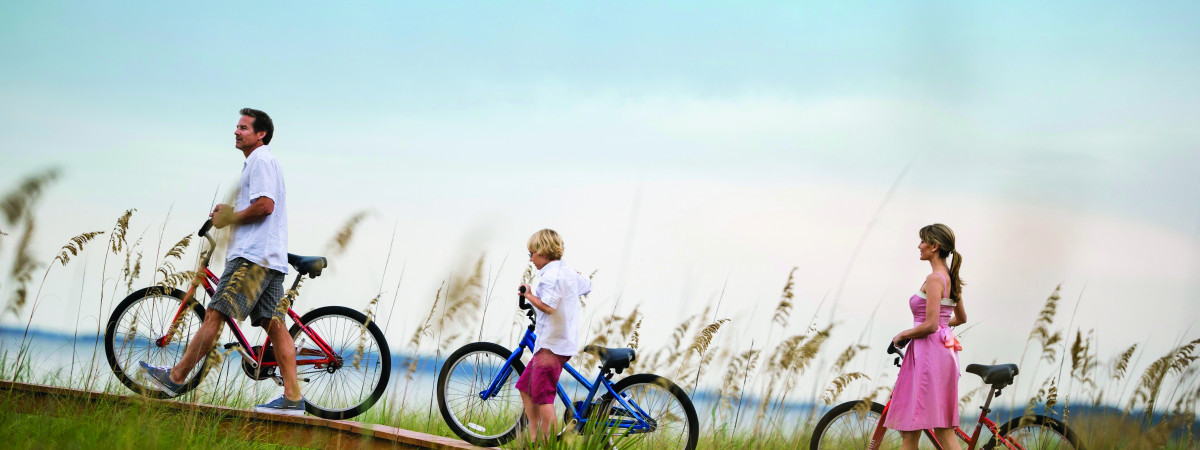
(677, 145)
(1000, 71)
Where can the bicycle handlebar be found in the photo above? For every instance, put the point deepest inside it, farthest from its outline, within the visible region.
(212, 244)
(525, 305)
(893, 349)
(521, 299)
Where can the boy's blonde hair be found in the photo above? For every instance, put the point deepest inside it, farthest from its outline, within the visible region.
(547, 243)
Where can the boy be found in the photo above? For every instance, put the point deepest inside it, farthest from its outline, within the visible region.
(557, 301)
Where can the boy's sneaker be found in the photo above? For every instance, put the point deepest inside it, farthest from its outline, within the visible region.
(160, 377)
(282, 405)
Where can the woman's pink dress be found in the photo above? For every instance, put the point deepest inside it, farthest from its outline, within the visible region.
(926, 393)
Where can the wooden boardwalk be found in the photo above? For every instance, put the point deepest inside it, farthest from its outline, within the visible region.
(306, 431)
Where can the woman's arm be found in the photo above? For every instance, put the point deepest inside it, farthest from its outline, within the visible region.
(933, 306)
(960, 314)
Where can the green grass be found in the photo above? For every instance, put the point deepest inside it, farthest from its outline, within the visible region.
(119, 424)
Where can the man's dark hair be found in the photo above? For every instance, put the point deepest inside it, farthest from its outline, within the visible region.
(262, 122)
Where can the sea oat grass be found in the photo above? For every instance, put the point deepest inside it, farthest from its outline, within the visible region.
(1161, 412)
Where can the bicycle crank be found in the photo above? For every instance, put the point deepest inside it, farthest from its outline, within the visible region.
(279, 380)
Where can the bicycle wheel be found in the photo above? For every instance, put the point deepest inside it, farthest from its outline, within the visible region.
(467, 373)
(133, 331)
(1037, 433)
(850, 425)
(674, 422)
(350, 388)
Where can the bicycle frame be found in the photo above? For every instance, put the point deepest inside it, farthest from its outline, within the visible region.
(971, 441)
(638, 424)
(208, 280)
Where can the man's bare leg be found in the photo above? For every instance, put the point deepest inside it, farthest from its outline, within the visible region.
(201, 344)
(285, 355)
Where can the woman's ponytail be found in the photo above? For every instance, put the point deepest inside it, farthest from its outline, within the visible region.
(956, 283)
(943, 237)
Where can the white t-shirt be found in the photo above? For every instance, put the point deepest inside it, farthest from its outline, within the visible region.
(559, 287)
(263, 242)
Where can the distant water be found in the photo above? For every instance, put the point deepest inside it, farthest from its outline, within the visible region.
(52, 363)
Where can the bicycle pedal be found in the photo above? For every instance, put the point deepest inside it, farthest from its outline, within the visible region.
(279, 380)
(570, 425)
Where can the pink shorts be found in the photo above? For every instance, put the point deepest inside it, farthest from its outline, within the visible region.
(541, 376)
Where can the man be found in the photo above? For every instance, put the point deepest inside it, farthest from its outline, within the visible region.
(257, 259)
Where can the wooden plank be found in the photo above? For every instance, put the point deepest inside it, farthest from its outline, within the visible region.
(304, 431)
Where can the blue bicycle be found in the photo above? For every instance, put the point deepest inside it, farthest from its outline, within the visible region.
(478, 398)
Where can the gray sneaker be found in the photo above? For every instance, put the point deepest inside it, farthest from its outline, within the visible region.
(160, 377)
(282, 405)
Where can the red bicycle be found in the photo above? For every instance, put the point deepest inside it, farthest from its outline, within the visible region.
(342, 358)
(859, 424)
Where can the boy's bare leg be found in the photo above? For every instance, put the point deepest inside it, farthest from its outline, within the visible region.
(545, 415)
(285, 355)
(201, 344)
(531, 413)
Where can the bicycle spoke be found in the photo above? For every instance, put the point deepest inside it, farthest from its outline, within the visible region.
(667, 417)
(140, 325)
(853, 428)
(347, 386)
(1039, 437)
(465, 380)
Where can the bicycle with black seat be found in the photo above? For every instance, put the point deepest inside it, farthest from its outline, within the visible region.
(342, 359)
(477, 396)
(859, 424)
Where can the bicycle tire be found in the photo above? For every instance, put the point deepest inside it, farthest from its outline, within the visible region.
(373, 364)
(153, 309)
(848, 425)
(658, 439)
(1053, 434)
(460, 413)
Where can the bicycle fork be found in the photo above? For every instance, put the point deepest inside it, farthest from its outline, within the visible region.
(527, 341)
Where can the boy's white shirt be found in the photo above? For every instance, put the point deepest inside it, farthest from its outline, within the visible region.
(559, 287)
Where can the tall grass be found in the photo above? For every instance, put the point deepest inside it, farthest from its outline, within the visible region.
(755, 389)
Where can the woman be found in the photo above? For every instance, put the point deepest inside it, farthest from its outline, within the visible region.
(926, 393)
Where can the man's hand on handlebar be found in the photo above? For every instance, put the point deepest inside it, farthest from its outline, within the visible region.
(222, 216)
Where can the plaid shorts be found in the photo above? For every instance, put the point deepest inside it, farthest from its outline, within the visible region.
(258, 300)
(540, 378)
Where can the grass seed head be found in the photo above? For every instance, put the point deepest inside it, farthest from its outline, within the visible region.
(341, 240)
(19, 202)
(74, 246)
(839, 384)
(704, 338)
(1121, 363)
(847, 355)
(633, 341)
(22, 268)
(783, 310)
(116, 240)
